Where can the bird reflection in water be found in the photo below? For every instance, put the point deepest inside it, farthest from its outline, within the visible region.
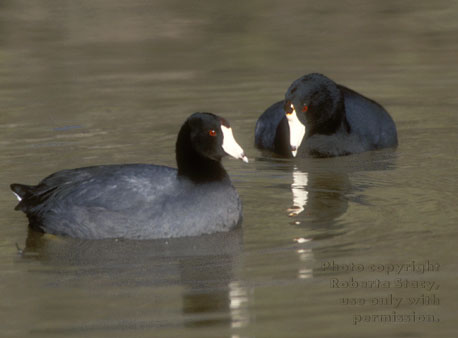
(318, 196)
(300, 193)
(197, 273)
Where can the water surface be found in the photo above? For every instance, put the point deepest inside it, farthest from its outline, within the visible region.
(93, 82)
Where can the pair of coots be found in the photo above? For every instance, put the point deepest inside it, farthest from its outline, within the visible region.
(140, 201)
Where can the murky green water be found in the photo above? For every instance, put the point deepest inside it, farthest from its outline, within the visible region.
(323, 242)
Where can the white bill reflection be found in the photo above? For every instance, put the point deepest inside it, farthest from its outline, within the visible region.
(300, 193)
(305, 256)
(238, 297)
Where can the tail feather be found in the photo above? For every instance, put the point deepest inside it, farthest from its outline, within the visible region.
(21, 191)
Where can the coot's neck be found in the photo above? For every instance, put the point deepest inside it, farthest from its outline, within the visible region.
(194, 166)
(337, 121)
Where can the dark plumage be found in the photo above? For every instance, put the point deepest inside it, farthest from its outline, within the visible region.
(335, 121)
(142, 201)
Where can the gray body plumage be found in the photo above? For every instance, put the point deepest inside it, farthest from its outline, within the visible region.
(135, 201)
(267, 125)
(371, 128)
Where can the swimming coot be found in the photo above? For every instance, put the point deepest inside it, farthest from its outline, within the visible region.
(319, 118)
(143, 201)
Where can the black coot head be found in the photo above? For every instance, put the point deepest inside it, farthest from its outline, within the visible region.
(313, 104)
(202, 141)
(314, 97)
(206, 136)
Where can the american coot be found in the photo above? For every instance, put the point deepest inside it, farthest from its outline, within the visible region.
(319, 118)
(142, 201)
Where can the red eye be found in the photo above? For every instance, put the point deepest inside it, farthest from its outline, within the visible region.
(212, 132)
(305, 108)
